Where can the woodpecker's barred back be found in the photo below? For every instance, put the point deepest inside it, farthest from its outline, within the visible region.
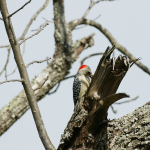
(81, 82)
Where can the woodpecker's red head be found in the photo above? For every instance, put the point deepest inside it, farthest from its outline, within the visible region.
(85, 70)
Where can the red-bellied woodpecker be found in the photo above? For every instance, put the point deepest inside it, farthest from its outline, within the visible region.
(81, 82)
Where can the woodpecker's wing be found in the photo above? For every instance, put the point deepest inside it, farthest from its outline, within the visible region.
(76, 89)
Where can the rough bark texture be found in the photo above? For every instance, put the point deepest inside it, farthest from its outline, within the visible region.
(131, 131)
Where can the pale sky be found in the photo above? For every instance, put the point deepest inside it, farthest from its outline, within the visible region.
(127, 20)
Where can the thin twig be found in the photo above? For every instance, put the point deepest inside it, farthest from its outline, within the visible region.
(48, 20)
(68, 77)
(112, 108)
(59, 84)
(16, 66)
(8, 49)
(41, 61)
(34, 33)
(87, 25)
(4, 46)
(128, 100)
(19, 9)
(82, 61)
(14, 80)
(1, 19)
(41, 84)
(55, 89)
(22, 37)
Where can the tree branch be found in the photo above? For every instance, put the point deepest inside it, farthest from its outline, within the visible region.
(133, 99)
(8, 49)
(82, 61)
(24, 75)
(34, 34)
(14, 80)
(110, 37)
(19, 9)
(37, 61)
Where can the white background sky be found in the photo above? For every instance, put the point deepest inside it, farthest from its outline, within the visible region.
(127, 20)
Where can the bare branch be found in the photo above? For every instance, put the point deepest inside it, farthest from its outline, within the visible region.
(55, 89)
(1, 19)
(3, 46)
(92, 3)
(14, 80)
(82, 61)
(19, 9)
(87, 25)
(34, 33)
(48, 20)
(112, 108)
(133, 99)
(110, 37)
(32, 19)
(8, 49)
(59, 84)
(41, 61)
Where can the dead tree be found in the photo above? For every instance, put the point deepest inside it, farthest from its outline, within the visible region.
(88, 127)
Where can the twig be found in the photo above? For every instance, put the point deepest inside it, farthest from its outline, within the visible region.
(22, 37)
(41, 84)
(19, 9)
(82, 61)
(48, 20)
(89, 8)
(16, 66)
(128, 100)
(4, 46)
(14, 80)
(55, 89)
(112, 108)
(41, 61)
(34, 33)
(87, 25)
(59, 84)
(8, 49)
(1, 19)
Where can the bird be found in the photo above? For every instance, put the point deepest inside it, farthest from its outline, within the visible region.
(81, 83)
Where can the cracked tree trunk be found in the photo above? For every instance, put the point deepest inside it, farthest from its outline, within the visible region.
(87, 128)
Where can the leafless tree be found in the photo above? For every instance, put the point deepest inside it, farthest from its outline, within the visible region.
(88, 127)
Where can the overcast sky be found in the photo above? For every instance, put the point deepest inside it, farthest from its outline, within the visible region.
(127, 20)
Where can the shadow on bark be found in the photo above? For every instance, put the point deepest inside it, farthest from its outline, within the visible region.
(87, 128)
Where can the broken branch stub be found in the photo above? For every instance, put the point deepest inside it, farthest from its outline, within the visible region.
(107, 77)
